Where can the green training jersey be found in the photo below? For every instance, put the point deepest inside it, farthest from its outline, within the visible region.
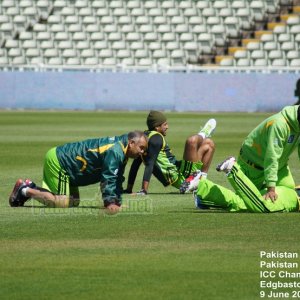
(160, 160)
(271, 143)
(96, 160)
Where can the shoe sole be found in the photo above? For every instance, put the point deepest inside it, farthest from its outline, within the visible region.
(12, 195)
(218, 168)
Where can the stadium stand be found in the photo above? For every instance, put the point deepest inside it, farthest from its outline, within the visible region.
(234, 33)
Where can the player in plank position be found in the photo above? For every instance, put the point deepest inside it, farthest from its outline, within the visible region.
(161, 162)
(83, 163)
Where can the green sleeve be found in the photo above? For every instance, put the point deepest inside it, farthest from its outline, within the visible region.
(112, 177)
(276, 137)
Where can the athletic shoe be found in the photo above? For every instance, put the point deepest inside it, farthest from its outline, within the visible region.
(16, 198)
(191, 183)
(226, 165)
(209, 128)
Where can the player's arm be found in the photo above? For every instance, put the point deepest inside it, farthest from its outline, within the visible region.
(111, 178)
(155, 144)
(132, 174)
(275, 143)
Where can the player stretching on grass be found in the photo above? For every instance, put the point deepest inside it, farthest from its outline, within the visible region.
(161, 162)
(265, 152)
(83, 163)
(247, 197)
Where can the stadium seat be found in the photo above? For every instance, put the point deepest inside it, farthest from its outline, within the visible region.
(65, 44)
(20, 22)
(72, 61)
(32, 52)
(101, 44)
(106, 53)
(91, 61)
(29, 44)
(109, 61)
(123, 53)
(160, 53)
(54, 61)
(195, 27)
(48, 53)
(135, 45)
(155, 45)
(295, 62)
(4, 61)
(18, 60)
(11, 43)
(172, 45)
(81, 3)
(86, 53)
(46, 44)
(127, 61)
(98, 4)
(260, 62)
(133, 4)
(270, 46)
(35, 60)
(278, 62)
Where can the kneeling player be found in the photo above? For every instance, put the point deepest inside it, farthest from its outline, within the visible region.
(83, 163)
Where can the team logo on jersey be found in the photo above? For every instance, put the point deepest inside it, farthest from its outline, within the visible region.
(291, 139)
(116, 171)
(275, 142)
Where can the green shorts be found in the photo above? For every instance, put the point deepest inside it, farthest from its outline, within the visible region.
(55, 178)
(185, 169)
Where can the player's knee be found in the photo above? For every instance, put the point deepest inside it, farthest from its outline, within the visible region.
(209, 144)
(193, 140)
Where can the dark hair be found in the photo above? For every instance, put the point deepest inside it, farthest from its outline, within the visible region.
(136, 135)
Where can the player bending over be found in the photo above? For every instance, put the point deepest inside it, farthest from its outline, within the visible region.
(83, 163)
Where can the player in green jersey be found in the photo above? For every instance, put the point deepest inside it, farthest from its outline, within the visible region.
(246, 196)
(265, 152)
(72, 165)
(264, 156)
(161, 162)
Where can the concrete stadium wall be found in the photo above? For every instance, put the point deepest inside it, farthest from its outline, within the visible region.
(175, 91)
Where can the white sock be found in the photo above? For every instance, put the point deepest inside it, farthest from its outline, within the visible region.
(24, 191)
(203, 175)
(202, 134)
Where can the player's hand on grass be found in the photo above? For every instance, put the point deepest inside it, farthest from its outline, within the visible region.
(271, 194)
(112, 209)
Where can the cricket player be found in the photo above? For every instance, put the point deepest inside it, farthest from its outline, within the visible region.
(265, 152)
(72, 165)
(161, 162)
(246, 198)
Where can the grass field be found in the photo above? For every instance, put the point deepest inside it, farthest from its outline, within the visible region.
(158, 248)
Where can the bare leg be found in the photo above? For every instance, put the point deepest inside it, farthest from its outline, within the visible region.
(199, 149)
(51, 200)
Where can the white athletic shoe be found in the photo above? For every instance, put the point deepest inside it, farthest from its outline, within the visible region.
(209, 128)
(191, 183)
(226, 165)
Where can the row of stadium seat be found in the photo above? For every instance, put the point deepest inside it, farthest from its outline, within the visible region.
(141, 32)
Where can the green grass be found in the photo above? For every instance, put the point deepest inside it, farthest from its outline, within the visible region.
(158, 248)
